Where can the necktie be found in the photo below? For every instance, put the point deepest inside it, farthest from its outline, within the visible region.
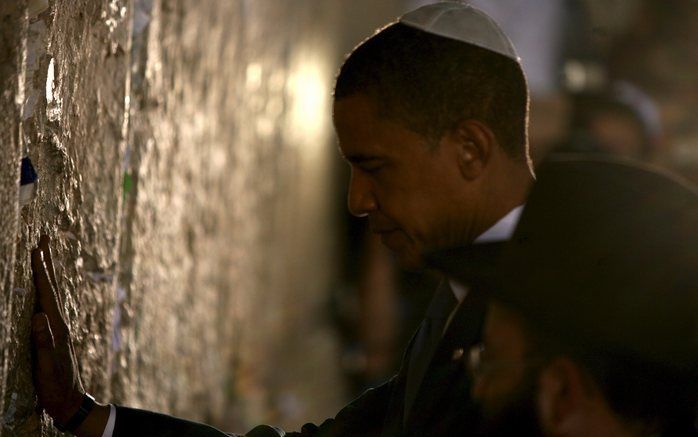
(426, 342)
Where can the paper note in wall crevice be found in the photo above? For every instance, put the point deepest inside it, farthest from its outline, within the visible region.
(27, 183)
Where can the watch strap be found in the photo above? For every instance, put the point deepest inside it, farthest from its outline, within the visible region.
(88, 403)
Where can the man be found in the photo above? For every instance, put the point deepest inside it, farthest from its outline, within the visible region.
(621, 120)
(592, 329)
(431, 114)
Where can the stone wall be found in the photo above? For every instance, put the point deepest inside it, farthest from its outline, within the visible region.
(184, 153)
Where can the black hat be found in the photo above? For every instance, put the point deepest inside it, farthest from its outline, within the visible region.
(605, 255)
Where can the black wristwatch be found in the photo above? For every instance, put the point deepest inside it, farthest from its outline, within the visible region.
(88, 403)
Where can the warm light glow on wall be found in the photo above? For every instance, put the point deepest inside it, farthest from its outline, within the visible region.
(308, 89)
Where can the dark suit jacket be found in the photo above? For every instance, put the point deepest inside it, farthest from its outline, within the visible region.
(443, 406)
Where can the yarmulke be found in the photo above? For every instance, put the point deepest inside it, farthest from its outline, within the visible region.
(463, 23)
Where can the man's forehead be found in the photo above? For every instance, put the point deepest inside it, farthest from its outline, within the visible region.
(361, 135)
(353, 108)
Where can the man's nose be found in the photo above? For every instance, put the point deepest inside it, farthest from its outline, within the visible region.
(361, 199)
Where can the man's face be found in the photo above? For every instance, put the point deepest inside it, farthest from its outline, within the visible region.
(505, 383)
(411, 191)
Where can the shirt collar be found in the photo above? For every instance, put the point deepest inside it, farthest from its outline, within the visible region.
(503, 229)
(500, 231)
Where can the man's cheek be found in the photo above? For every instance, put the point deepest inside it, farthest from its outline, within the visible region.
(495, 392)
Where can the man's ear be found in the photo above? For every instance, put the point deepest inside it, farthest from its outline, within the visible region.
(565, 391)
(476, 142)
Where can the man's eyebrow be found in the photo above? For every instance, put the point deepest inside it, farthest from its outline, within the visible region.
(360, 158)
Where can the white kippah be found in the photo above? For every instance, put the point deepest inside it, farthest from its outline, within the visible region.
(463, 23)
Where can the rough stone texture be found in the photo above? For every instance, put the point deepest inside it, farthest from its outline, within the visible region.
(12, 32)
(183, 150)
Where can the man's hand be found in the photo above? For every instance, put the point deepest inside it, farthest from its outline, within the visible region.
(56, 377)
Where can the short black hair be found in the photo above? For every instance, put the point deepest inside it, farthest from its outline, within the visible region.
(429, 83)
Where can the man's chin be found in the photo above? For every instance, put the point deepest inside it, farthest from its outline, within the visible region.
(409, 260)
(407, 255)
(412, 265)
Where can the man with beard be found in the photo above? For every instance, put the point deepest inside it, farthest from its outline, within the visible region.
(592, 327)
(431, 114)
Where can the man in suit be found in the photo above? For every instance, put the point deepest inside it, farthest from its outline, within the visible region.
(431, 114)
(592, 327)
